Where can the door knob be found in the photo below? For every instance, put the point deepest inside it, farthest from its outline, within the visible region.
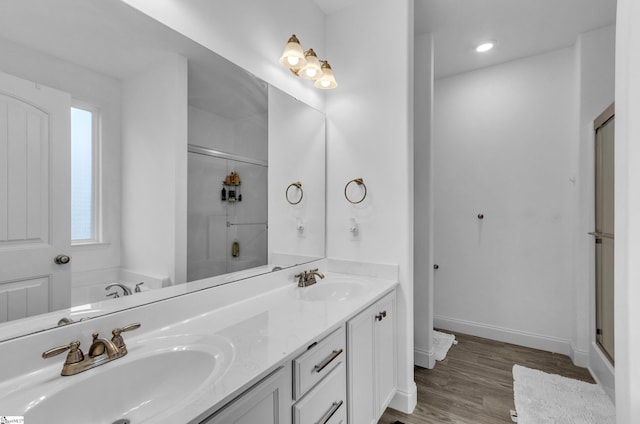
(62, 259)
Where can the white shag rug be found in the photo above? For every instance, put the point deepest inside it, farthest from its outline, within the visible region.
(442, 343)
(542, 398)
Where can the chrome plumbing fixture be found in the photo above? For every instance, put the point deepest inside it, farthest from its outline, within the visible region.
(125, 289)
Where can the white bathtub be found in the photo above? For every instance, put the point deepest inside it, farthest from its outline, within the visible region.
(89, 286)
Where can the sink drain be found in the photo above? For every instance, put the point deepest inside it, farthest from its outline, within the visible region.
(122, 421)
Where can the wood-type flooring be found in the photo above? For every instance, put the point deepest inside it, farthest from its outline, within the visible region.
(474, 383)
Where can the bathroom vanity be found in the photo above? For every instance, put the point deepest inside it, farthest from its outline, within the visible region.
(261, 350)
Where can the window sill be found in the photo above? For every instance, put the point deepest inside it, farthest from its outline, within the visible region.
(90, 245)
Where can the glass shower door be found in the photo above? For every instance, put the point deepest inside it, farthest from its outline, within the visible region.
(604, 232)
(227, 221)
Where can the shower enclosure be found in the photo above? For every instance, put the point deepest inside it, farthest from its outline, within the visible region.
(227, 220)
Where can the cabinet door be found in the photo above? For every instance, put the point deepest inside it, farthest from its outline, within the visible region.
(360, 368)
(265, 403)
(386, 348)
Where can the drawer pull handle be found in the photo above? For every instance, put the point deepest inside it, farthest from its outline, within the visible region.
(327, 416)
(381, 315)
(322, 365)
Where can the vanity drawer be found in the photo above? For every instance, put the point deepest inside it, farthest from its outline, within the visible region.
(327, 402)
(318, 361)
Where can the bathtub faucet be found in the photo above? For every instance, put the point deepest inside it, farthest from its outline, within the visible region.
(127, 290)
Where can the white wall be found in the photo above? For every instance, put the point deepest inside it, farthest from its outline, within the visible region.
(423, 207)
(251, 34)
(370, 135)
(98, 90)
(154, 139)
(503, 139)
(595, 63)
(296, 153)
(627, 207)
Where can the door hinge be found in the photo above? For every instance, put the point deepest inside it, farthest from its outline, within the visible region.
(599, 331)
(598, 241)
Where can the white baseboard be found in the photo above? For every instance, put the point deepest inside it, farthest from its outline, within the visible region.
(404, 401)
(424, 358)
(507, 335)
(579, 357)
(602, 371)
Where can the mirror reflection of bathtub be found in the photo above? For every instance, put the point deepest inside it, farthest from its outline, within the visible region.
(91, 286)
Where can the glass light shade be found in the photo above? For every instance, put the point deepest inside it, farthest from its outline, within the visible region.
(328, 80)
(312, 70)
(293, 56)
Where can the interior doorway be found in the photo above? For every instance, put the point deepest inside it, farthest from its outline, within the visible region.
(604, 230)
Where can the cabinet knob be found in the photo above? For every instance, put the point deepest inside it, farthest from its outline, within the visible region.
(381, 315)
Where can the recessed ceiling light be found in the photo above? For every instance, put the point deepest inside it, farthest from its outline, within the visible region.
(485, 47)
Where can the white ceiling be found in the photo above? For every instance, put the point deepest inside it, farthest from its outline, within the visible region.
(330, 6)
(520, 27)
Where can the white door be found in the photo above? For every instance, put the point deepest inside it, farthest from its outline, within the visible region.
(34, 198)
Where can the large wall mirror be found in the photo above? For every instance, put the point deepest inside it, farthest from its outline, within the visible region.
(130, 154)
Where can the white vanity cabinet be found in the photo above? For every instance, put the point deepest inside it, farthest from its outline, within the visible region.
(267, 402)
(319, 382)
(371, 353)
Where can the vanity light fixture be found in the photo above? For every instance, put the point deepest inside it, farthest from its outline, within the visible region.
(485, 47)
(307, 65)
(327, 81)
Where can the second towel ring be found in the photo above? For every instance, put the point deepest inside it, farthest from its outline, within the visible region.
(360, 182)
(298, 185)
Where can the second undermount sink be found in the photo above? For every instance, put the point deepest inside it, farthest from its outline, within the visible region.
(333, 289)
(157, 376)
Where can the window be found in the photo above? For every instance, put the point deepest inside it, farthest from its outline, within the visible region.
(84, 199)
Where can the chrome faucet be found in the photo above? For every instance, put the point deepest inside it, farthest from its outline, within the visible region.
(308, 278)
(127, 290)
(100, 352)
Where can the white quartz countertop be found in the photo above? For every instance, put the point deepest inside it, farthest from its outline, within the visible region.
(264, 331)
(260, 322)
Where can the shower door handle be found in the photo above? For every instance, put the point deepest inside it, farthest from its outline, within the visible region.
(598, 234)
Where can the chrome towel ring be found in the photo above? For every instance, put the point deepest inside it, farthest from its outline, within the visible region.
(297, 185)
(359, 182)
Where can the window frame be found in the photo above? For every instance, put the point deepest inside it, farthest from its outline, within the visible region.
(96, 173)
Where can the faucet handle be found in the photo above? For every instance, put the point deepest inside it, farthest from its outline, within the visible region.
(126, 328)
(138, 289)
(117, 338)
(75, 355)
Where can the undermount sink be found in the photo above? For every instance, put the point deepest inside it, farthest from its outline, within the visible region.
(157, 375)
(333, 290)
